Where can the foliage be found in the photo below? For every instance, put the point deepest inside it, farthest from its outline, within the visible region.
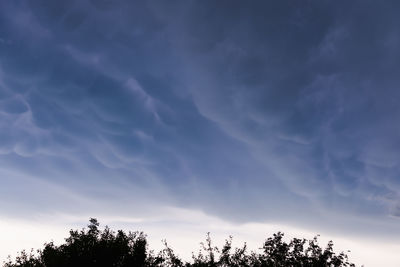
(93, 247)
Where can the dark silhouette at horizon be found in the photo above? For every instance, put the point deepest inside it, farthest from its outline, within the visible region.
(93, 247)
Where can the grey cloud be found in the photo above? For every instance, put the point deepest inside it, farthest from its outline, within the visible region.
(313, 84)
(227, 107)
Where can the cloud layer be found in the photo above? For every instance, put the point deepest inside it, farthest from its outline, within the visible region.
(264, 112)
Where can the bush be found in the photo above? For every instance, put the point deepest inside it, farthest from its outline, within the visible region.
(93, 247)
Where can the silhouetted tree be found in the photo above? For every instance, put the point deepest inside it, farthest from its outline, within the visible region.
(93, 247)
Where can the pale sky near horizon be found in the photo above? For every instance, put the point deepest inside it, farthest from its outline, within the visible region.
(272, 113)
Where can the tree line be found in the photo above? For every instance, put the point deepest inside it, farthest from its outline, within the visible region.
(95, 247)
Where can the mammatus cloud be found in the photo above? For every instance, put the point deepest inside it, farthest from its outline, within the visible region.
(277, 112)
(310, 108)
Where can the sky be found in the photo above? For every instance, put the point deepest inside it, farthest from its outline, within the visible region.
(243, 117)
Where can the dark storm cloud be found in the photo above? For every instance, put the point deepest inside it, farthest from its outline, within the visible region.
(234, 108)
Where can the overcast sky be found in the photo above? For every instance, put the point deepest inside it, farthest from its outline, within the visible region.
(261, 112)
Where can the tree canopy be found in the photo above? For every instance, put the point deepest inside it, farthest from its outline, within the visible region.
(94, 247)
